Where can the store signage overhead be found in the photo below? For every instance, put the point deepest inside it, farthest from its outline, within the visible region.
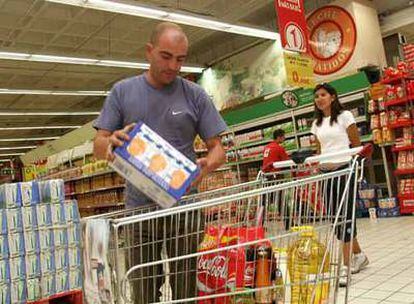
(332, 38)
(290, 99)
(292, 25)
(299, 70)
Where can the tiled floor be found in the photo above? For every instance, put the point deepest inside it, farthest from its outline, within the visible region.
(389, 278)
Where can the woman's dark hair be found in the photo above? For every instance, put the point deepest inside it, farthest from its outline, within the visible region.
(336, 107)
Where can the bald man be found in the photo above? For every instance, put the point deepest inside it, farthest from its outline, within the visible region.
(178, 110)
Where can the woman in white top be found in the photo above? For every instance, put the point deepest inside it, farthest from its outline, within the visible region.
(335, 130)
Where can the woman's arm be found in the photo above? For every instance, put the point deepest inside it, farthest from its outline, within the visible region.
(353, 136)
(318, 145)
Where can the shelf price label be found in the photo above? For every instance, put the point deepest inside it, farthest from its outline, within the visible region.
(299, 70)
(292, 25)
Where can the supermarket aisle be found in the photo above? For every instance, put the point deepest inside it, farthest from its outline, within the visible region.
(389, 244)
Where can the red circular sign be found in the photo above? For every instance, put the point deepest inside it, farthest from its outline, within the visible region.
(332, 38)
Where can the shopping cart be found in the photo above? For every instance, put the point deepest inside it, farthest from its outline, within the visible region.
(270, 240)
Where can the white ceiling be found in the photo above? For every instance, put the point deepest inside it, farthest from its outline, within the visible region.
(37, 26)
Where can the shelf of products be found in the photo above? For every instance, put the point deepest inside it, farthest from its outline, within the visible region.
(403, 148)
(404, 171)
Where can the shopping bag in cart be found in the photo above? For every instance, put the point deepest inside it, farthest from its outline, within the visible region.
(228, 269)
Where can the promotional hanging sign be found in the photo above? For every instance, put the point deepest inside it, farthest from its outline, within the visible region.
(299, 70)
(292, 25)
(332, 38)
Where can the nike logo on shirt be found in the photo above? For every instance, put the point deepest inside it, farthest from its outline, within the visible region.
(176, 113)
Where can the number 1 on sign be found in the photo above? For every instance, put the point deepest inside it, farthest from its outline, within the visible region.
(294, 38)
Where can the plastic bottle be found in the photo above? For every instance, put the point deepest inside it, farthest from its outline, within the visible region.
(278, 292)
(263, 277)
(305, 258)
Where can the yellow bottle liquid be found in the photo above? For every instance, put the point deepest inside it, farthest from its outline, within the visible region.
(305, 257)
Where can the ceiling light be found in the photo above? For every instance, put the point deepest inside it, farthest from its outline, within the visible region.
(160, 14)
(88, 61)
(17, 148)
(29, 138)
(12, 154)
(48, 113)
(39, 128)
(51, 92)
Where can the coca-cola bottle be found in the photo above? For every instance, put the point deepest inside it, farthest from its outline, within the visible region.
(263, 277)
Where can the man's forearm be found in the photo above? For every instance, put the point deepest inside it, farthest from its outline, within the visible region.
(215, 158)
(100, 147)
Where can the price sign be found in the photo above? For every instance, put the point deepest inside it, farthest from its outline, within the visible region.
(299, 70)
(292, 25)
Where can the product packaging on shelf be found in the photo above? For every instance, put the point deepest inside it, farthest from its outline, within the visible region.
(29, 217)
(16, 244)
(61, 258)
(29, 193)
(75, 256)
(17, 268)
(31, 241)
(52, 191)
(48, 285)
(3, 221)
(60, 236)
(5, 293)
(4, 247)
(47, 262)
(33, 289)
(154, 166)
(4, 270)
(44, 215)
(33, 265)
(75, 278)
(10, 196)
(62, 281)
(18, 291)
(46, 238)
(14, 220)
(74, 234)
(58, 213)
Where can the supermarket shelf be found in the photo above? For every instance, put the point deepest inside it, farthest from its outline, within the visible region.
(406, 196)
(404, 171)
(304, 133)
(366, 138)
(401, 124)
(89, 175)
(403, 148)
(386, 144)
(398, 101)
(101, 206)
(395, 80)
(252, 160)
(406, 209)
(250, 144)
(96, 190)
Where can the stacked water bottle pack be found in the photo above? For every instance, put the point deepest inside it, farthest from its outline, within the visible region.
(40, 246)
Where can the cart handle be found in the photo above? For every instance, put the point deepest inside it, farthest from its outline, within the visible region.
(362, 151)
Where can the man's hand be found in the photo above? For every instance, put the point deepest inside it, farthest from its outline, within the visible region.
(105, 141)
(117, 139)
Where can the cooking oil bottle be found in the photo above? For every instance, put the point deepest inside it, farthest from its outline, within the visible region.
(305, 258)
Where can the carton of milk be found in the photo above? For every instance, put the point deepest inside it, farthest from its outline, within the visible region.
(4, 271)
(18, 291)
(31, 241)
(4, 246)
(29, 217)
(10, 196)
(3, 221)
(75, 256)
(44, 215)
(16, 244)
(61, 258)
(29, 193)
(62, 281)
(72, 211)
(33, 265)
(154, 166)
(52, 191)
(5, 296)
(46, 237)
(14, 220)
(47, 262)
(58, 213)
(17, 268)
(33, 289)
(60, 237)
(74, 234)
(75, 278)
(48, 285)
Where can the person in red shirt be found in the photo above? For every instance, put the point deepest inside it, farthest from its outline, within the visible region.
(274, 152)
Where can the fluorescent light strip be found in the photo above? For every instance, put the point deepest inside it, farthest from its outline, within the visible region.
(17, 148)
(5, 160)
(48, 113)
(87, 61)
(12, 154)
(39, 128)
(160, 14)
(50, 92)
(29, 138)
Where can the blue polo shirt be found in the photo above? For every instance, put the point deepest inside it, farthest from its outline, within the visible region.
(177, 112)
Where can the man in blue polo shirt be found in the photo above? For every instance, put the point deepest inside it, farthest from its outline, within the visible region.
(177, 110)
